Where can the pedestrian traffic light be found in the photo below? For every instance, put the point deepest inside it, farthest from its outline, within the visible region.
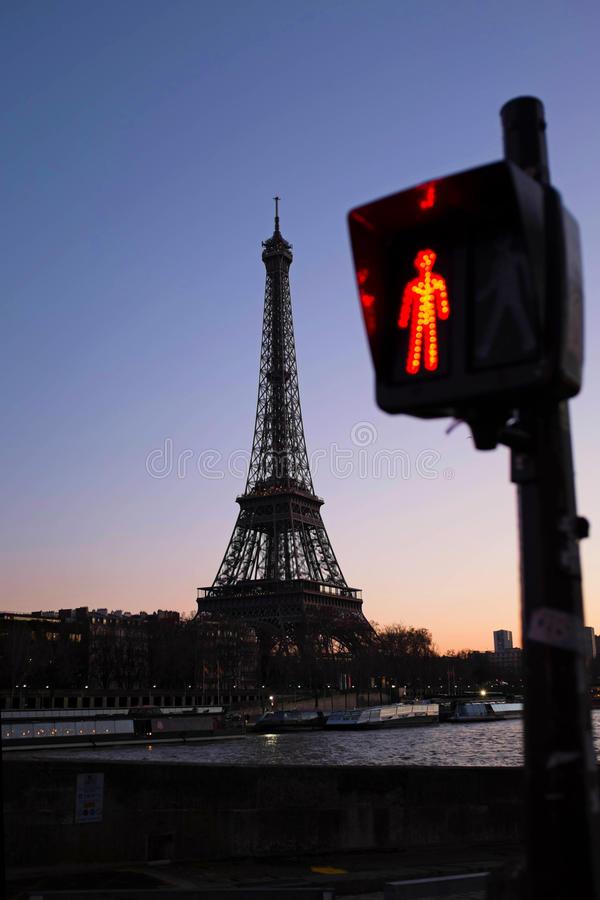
(470, 288)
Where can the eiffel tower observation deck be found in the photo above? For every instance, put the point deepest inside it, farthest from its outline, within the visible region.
(279, 569)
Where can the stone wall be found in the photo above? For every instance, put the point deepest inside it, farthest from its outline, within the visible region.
(179, 811)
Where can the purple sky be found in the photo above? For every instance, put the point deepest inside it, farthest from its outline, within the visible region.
(141, 145)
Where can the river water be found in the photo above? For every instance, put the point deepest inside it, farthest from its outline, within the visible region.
(473, 744)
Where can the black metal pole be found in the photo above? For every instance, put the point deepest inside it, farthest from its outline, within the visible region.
(562, 811)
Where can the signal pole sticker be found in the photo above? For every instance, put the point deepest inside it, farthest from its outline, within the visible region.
(424, 301)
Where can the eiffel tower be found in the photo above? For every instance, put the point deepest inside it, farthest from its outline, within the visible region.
(279, 573)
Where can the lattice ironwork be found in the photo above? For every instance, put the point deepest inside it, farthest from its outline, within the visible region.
(279, 563)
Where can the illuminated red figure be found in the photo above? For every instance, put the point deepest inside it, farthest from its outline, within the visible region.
(367, 299)
(428, 198)
(425, 299)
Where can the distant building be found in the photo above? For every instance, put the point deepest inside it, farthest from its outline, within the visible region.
(167, 614)
(502, 641)
(507, 664)
(508, 661)
(77, 647)
(589, 642)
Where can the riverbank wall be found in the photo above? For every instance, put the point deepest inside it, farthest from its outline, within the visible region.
(56, 814)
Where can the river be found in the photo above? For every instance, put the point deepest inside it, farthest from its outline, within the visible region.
(474, 744)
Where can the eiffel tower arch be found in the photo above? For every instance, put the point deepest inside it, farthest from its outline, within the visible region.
(279, 573)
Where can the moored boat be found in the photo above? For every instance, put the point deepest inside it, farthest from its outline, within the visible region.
(398, 715)
(485, 712)
(281, 721)
(24, 729)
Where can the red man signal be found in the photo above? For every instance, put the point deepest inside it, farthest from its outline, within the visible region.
(497, 254)
(425, 299)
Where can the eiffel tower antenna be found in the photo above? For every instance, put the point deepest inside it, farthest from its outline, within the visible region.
(279, 568)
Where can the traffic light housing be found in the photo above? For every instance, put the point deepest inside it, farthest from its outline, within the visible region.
(471, 292)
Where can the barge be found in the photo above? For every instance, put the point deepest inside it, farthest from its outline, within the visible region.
(53, 728)
(484, 712)
(289, 721)
(397, 715)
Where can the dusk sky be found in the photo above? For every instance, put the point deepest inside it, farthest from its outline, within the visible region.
(141, 144)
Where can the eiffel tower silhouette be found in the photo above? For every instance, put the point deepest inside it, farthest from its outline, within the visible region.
(279, 571)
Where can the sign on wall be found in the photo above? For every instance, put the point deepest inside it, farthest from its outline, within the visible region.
(89, 797)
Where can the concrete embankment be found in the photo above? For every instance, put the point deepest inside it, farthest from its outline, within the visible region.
(147, 811)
